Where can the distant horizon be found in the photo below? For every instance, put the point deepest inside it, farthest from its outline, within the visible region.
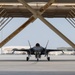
(33, 46)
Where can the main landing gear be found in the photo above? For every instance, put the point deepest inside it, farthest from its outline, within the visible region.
(48, 58)
(27, 59)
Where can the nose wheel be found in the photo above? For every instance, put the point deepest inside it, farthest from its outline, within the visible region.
(48, 58)
(37, 59)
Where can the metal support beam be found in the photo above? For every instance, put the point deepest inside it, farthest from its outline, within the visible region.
(36, 14)
(2, 11)
(72, 14)
(31, 19)
(72, 20)
(69, 22)
(70, 17)
(4, 14)
(73, 11)
(6, 23)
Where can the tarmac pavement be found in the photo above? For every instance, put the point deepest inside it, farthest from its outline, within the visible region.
(32, 67)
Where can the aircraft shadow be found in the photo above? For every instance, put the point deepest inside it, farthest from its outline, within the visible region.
(38, 61)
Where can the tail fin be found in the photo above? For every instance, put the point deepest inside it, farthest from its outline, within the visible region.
(46, 47)
(47, 44)
(30, 47)
(29, 43)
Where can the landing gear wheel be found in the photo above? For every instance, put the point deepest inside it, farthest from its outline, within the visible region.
(37, 59)
(48, 58)
(27, 59)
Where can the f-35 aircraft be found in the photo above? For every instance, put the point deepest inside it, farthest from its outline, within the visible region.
(37, 50)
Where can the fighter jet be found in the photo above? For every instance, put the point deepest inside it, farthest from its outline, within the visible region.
(37, 50)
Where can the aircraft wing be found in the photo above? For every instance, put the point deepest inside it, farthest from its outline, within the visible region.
(52, 50)
(26, 50)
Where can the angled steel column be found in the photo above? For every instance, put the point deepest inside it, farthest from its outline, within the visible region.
(31, 19)
(36, 14)
(6, 23)
(70, 17)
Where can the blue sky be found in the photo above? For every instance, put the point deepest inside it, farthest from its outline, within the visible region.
(38, 32)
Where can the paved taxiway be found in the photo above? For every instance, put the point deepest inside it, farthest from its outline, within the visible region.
(36, 73)
(37, 68)
(42, 67)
